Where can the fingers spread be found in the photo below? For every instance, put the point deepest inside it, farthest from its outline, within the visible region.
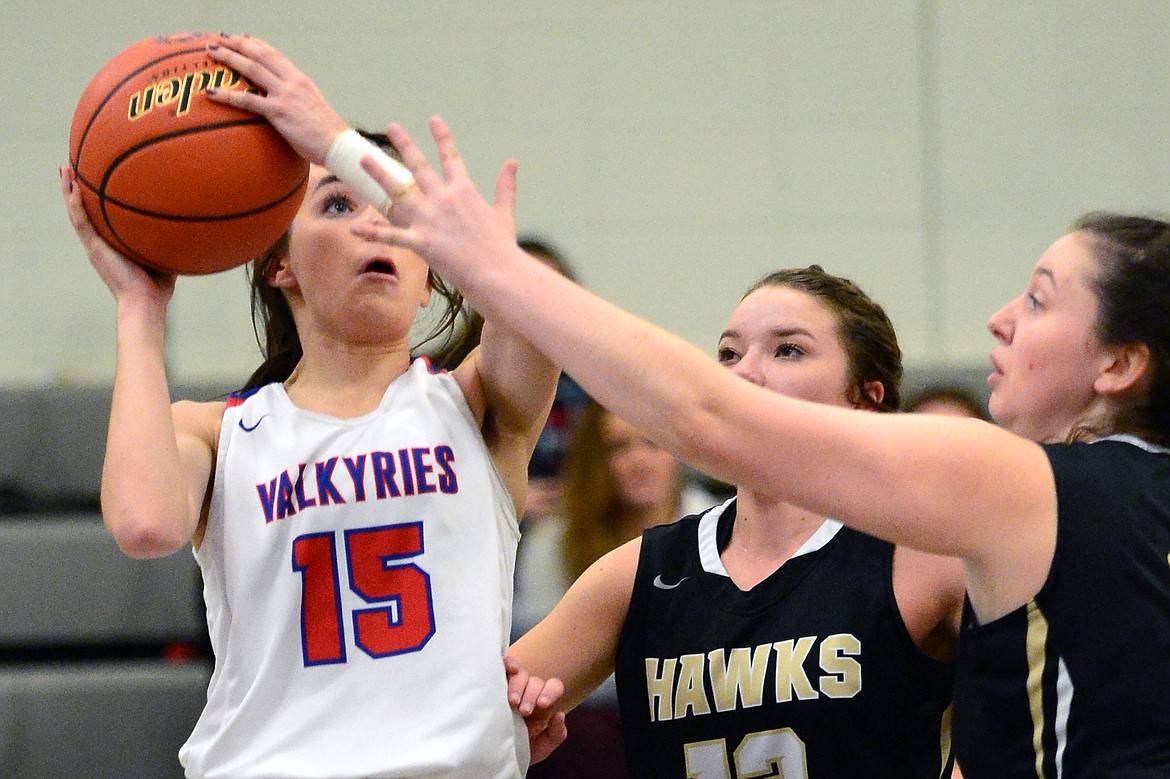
(384, 232)
(412, 157)
(248, 67)
(448, 153)
(259, 52)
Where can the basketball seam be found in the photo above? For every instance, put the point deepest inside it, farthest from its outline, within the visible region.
(103, 198)
(185, 218)
(110, 96)
(114, 210)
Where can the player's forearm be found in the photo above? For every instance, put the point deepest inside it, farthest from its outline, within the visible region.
(143, 494)
(519, 381)
(547, 651)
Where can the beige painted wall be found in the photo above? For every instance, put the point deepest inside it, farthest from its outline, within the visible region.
(677, 150)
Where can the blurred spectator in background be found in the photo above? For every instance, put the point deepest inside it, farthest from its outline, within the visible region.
(949, 400)
(616, 484)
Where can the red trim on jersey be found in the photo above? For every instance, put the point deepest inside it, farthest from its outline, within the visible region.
(430, 368)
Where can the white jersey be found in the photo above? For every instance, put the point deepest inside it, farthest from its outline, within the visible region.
(358, 581)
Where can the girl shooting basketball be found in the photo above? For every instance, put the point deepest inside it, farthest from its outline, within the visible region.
(353, 512)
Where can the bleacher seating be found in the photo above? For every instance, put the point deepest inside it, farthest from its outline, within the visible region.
(103, 662)
(100, 673)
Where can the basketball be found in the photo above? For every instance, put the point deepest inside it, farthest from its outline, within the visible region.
(170, 178)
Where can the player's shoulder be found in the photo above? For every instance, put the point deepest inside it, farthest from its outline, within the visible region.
(199, 418)
(205, 409)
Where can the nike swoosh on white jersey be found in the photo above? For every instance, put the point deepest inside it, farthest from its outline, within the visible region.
(247, 429)
(664, 586)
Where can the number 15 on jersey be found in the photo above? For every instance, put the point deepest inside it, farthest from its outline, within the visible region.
(401, 616)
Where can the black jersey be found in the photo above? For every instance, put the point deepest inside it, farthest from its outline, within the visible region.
(811, 673)
(1076, 683)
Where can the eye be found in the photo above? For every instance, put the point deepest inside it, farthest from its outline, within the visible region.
(789, 351)
(617, 447)
(1032, 302)
(338, 203)
(726, 355)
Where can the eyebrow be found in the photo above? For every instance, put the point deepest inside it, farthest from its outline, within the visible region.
(776, 332)
(326, 181)
(1046, 273)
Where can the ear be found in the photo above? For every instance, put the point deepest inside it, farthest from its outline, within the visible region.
(282, 276)
(1129, 367)
(875, 391)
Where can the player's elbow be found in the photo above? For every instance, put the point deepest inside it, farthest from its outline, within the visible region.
(143, 536)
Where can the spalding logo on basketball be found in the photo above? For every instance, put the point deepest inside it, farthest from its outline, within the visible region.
(171, 179)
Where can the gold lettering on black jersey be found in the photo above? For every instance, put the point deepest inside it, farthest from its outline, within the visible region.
(660, 688)
(737, 678)
(837, 653)
(691, 693)
(741, 676)
(790, 675)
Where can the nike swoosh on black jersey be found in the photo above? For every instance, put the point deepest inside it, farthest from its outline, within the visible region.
(664, 586)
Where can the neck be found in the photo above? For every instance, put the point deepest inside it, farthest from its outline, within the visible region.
(770, 528)
(346, 380)
(765, 535)
(1096, 420)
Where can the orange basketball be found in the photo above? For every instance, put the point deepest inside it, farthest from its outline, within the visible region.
(170, 178)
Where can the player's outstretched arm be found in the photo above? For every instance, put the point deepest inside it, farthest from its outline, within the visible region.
(928, 482)
(155, 472)
(509, 380)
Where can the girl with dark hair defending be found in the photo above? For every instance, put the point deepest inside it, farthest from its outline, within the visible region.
(761, 633)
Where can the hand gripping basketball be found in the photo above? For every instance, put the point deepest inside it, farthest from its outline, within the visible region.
(296, 108)
(171, 179)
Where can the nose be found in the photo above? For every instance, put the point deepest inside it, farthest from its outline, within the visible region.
(1000, 324)
(372, 214)
(748, 367)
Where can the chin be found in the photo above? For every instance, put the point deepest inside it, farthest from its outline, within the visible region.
(997, 412)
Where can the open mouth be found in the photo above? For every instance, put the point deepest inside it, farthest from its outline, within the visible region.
(381, 266)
